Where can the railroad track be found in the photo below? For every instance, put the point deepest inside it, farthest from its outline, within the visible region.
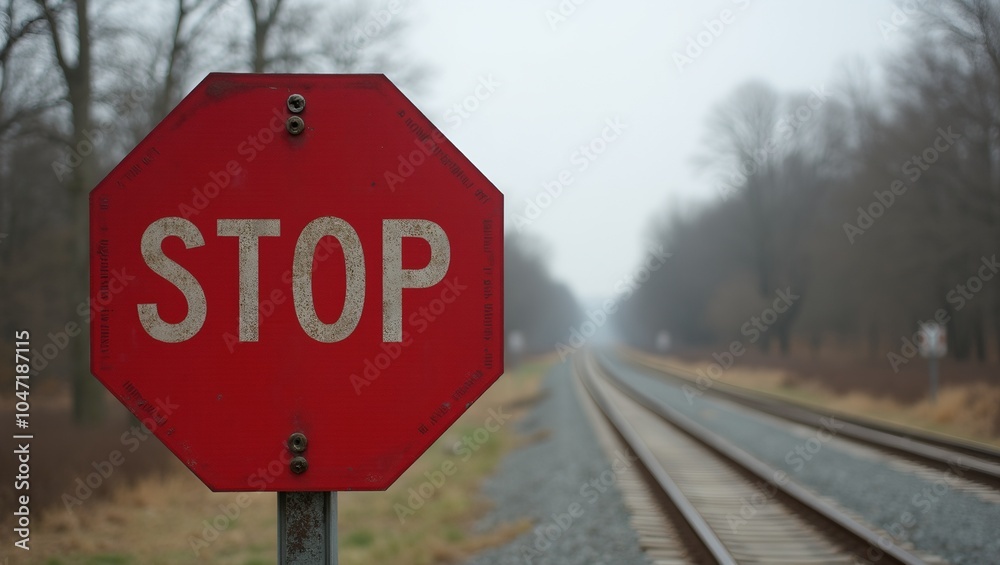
(979, 463)
(723, 505)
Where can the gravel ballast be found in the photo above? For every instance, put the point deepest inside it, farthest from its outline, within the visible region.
(556, 482)
(927, 508)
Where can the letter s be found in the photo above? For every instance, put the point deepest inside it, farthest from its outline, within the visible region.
(152, 252)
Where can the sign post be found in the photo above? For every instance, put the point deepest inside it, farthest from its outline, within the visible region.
(933, 346)
(307, 528)
(297, 286)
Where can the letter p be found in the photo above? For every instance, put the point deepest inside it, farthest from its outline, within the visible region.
(395, 278)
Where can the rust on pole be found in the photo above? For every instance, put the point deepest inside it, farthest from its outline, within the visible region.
(307, 528)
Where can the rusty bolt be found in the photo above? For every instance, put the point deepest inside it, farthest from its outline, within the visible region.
(295, 125)
(299, 465)
(296, 103)
(297, 442)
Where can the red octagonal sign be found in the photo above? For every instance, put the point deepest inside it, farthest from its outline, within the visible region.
(297, 282)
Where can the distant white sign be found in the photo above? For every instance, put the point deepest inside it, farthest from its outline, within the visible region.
(933, 341)
(516, 342)
(663, 340)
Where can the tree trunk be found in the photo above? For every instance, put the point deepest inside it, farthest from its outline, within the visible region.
(259, 46)
(873, 341)
(263, 20)
(87, 392)
(978, 330)
(784, 339)
(816, 345)
(88, 395)
(996, 326)
(960, 345)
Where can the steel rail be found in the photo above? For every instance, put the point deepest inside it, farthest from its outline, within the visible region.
(758, 468)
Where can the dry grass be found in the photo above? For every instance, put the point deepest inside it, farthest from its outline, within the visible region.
(969, 410)
(154, 520)
(973, 409)
(745, 376)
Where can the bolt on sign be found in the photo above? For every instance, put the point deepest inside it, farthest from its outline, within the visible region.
(315, 282)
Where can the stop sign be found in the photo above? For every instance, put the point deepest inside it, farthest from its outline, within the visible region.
(296, 282)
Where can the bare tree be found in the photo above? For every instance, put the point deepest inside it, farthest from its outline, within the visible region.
(761, 142)
(17, 25)
(537, 308)
(29, 219)
(69, 33)
(910, 173)
(741, 137)
(191, 19)
(265, 20)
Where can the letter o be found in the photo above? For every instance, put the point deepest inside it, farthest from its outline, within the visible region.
(302, 279)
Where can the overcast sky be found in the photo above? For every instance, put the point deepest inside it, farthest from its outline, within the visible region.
(551, 85)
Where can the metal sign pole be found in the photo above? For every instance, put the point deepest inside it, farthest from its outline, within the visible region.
(933, 340)
(934, 378)
(307, 528)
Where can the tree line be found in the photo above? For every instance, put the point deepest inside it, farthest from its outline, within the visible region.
(539, 312)
(874, 202)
